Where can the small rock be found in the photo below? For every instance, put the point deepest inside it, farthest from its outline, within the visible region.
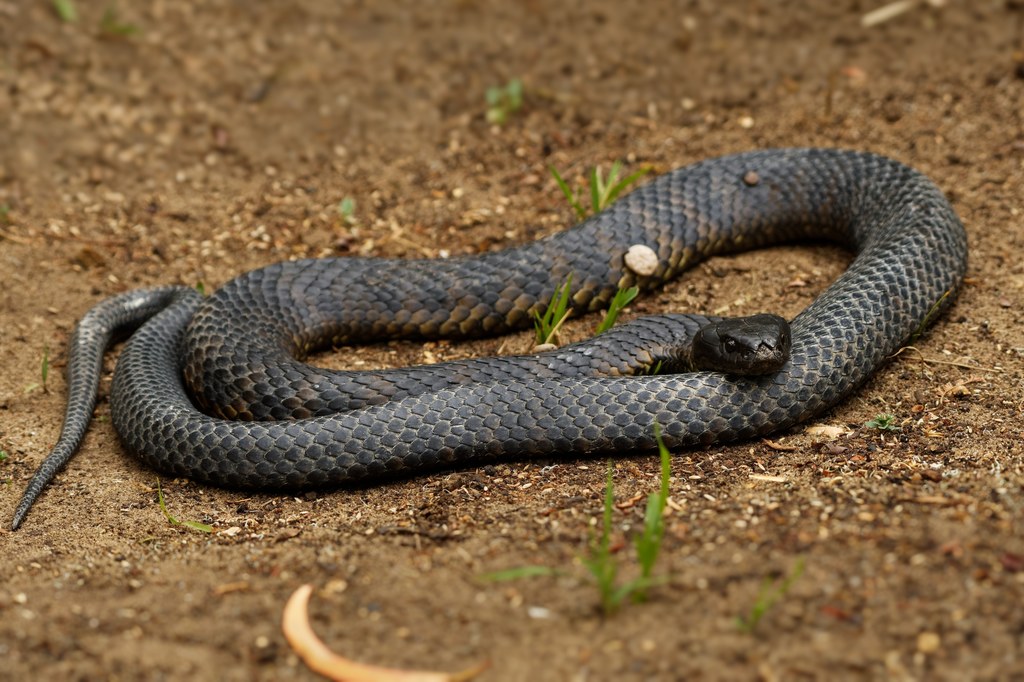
(641, 259)
(928, 642)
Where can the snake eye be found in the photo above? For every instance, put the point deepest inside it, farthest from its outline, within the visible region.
(730, 345)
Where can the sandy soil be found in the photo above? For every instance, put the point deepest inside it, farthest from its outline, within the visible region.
(223, 137)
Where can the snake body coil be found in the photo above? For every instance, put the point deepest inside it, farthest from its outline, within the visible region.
(237, 349)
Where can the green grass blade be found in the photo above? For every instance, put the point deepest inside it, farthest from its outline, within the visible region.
(595, 190)
(601, 563)
(615, 191)
(883, 422)
(564, 186)
(519, 573)
(547, 325)
(608, 183)
(112, 26)
(622, 298)
(769, 595)
(65, 10)
(194, 525)
(514, 92)
(648, 544)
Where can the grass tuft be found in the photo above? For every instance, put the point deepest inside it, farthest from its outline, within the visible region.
(504, 101)
(770, 593)
(883, 422)
(648, 544)
(557, 312)
(601, 560)
(603, 191)
(111, 25)
(622, 298)
(194, 525)
(547, 325)
(44, 372)
(347, 210)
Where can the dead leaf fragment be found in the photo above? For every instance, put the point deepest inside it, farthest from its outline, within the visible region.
(228, 588)
(827, 431)
(315, 654)
(779, 447)
(1011, 562)
(769, 478)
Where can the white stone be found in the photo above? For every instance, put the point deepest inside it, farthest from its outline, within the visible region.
(642, 260)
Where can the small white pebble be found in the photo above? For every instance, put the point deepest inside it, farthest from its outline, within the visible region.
(928, 642)
(641, 259)
(538, 612)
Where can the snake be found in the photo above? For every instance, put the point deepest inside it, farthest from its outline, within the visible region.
(216, 388)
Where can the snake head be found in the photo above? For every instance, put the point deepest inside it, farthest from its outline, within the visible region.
(757, 344)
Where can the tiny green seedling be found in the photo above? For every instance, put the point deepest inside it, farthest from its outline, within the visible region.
(770, 593)
(3, 455)
(883, 422)
(602, 564)
(194, 525)
(44, 372)
(111, 25)
(622, 298)
(503, 101)
(603, 191)
(648, 543)
(5, 214)
(547, 325)
(557, 312)
(65, 10)
(347, 210)
(601, 560)
(201, 288)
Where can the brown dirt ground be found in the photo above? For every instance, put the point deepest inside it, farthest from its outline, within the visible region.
(222, 138)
